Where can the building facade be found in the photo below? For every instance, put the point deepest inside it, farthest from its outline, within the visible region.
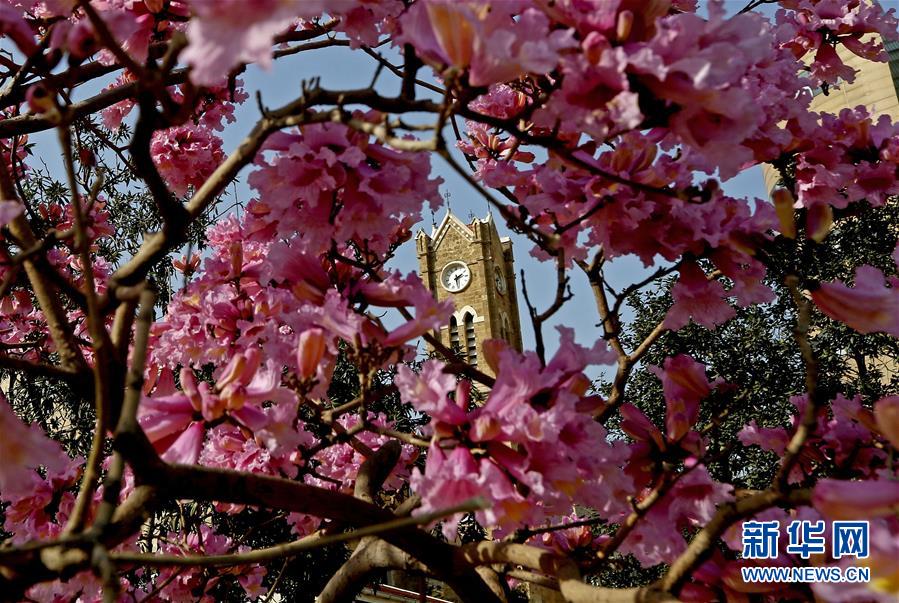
(473, 266)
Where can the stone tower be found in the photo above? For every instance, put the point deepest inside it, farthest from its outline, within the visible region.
(472, 265)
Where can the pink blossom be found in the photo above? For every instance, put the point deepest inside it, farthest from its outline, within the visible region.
(377, 188)
(193, 584)
(595, 95)
(681, 63)
(115, 114)
(339, 464)
(227, 32)
(691, 502)
(847, 158)
(809, 26)
(187, 446)
(881, 560)
(698, 297)
(24, 448)
(848, 437)
(30, 513)
(638, 426)
(165, 416)
(868, 307)
(486, 38)
(364, 21)
(13, 26)
(685, 385)
(462, 478)
(224, 33)
(537, 430)
(9, 211)
(428, 393)
(569, 540)
(838, 499)
(429, 315)
(247, 380)
(131, 27)
(186, 156)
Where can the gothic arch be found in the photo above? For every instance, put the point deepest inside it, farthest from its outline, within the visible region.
(459, 315)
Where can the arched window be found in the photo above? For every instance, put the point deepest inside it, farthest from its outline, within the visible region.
(471, 343)
(506, 328)
(454, 336)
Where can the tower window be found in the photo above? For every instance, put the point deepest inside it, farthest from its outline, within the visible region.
(471, 343)
(454, 336)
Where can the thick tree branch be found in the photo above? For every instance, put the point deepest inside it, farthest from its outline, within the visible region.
(570, 584)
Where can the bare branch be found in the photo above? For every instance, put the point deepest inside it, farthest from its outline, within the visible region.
(570, 584)
(816, 399)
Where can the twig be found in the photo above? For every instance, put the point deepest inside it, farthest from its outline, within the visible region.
(816, 401)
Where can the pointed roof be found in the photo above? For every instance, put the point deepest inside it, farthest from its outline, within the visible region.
(450, 222)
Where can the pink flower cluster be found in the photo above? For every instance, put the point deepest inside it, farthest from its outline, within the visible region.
(497, 42)
(869, 307)
(532, 450)
(22, 324)
(25, 448)
(692, 499)
(258, 306)
(194, 584)
(845, 440)
(186, 156)
(815, 26)
(225, 33)
(329, 167)
(846, 158)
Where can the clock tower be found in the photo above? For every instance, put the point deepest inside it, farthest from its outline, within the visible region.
(472, 265)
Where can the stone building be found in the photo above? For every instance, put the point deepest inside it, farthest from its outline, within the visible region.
(472, 265)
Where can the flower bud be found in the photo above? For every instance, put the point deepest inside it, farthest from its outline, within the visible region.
(236, 252)
(310, 351)
(783, 205)
(624, 25)
(818, 222)
(39, 99)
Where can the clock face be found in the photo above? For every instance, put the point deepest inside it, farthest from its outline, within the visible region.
(500, 280)
(455, 277)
